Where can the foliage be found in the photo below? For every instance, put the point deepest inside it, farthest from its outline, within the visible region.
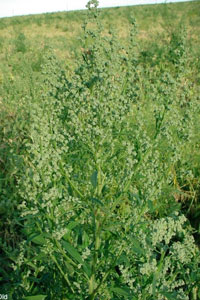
(20, 43)
(102, 172)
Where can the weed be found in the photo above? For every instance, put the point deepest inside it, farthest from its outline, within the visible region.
(100, 171)
(20, 44)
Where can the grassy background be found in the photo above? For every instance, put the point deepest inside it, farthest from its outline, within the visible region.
(62, 30)
(25, 39)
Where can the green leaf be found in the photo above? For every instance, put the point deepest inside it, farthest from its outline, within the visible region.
(169, 295)
(72, 225)
(136, 246)
(95, 200)
(94, 179)
(73, 252)
(120, 291)
(85, 239)
(38, 297)
(150, 205)
(70, 268)
(122, 259)
(40, 257)
(37, 239)
(87, 269)
(32, 265)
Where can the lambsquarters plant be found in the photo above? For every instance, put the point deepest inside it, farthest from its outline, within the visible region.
(97, 219)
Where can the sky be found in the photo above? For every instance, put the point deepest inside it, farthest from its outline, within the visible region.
(9, 8)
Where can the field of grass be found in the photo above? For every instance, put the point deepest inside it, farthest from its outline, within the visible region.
(100, 154)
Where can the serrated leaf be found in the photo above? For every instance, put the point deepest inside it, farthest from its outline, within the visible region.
(38, 297)
(94, 179)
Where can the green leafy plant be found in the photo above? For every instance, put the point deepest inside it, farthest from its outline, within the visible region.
(20, 43)
(100, 181)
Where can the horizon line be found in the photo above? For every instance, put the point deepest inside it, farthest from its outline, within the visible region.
(102, 7)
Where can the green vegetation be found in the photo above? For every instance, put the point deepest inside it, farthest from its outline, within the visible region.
(99, 154)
